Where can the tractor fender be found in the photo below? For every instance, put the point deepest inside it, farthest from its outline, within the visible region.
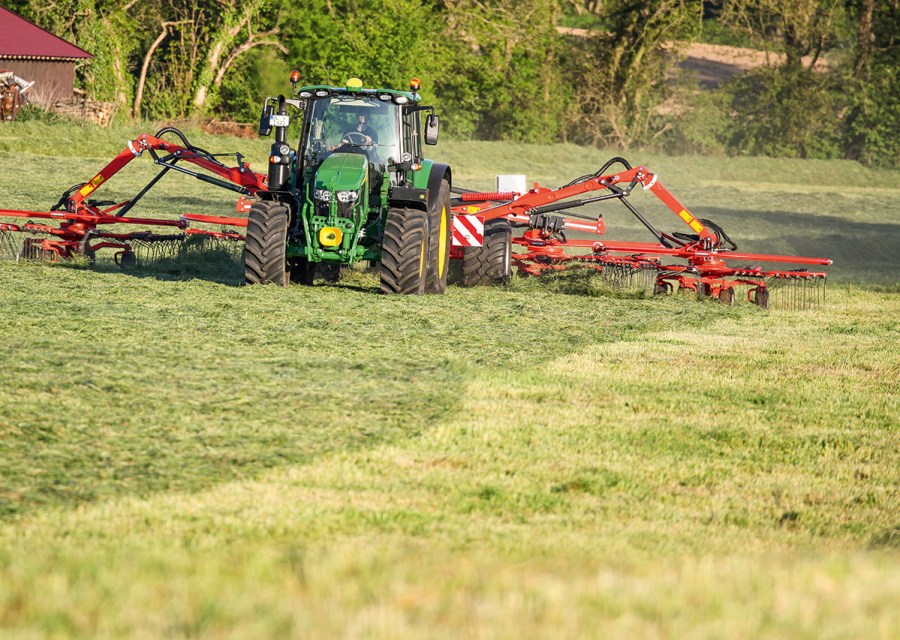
(287, 197)
(438, 173)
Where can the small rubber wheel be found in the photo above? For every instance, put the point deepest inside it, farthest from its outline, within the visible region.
(127, 260)
(703, 291)
(761, 298)
(84, 248)
(491, 263)
(726, 296)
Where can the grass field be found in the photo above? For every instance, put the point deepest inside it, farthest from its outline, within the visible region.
(184, 457)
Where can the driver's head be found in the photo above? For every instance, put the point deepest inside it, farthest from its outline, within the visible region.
(361, 118)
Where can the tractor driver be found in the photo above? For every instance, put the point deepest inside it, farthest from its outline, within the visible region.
(362, 134)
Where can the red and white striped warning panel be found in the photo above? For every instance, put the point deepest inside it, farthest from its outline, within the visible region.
(468, 231)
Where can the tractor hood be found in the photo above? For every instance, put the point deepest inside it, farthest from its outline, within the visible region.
(342, 172)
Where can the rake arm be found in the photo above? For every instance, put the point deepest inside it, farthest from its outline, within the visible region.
(240, 179)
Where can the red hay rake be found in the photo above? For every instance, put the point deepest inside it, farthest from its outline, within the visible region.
(700, 260)
(705, 253)
(78, 226)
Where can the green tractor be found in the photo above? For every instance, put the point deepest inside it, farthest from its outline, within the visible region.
(356, 188)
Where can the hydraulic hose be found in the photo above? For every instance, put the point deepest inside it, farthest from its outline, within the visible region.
(601, 170)
(187, 144)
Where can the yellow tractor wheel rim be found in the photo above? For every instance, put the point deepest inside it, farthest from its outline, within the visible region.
(442, 243)
(422, 257)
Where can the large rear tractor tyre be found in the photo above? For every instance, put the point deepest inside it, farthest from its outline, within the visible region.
(491, 263)
(404, 251)
(440, 221)
(265, 259)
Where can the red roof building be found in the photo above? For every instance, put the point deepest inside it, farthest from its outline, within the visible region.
(35, 54)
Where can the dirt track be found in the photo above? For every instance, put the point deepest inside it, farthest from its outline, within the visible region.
(714, 63)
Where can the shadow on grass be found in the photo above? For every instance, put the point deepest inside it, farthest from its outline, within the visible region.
(863, 252)
(591, 283)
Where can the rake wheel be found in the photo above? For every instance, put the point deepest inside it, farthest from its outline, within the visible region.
(726, 296)
(404, 251)
(490, 263)
(761, 298)
(32, 250)
(265, 249)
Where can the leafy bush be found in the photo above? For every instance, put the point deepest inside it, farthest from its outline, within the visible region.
(786, 112)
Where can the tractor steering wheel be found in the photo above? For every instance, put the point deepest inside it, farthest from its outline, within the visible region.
(356, 138)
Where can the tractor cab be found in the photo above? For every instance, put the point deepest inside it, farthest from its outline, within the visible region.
(348, 144)
(356, 139)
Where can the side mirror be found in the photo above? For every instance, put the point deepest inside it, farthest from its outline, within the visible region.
(265, 126)
(432, 125)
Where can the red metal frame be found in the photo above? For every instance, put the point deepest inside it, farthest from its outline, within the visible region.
(706, 258)
(79, 219)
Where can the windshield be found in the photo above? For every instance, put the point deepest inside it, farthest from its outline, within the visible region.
(349, 123)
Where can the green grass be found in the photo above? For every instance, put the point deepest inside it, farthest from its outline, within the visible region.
(181, 456)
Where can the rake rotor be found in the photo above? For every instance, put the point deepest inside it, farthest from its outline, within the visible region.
(700, 258)
(76, 226)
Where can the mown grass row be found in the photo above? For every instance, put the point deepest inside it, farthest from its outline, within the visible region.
(192, 458)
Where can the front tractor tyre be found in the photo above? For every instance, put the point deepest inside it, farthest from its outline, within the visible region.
(265, 259)
(404, 251)
(491, 263)
(440, 221)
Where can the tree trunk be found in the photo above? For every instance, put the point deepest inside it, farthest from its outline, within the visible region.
(139, 93)
(864, 36)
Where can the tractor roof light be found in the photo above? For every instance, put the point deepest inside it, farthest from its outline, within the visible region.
(401, 99)
(295, 76)
(385, 97)
(306, 94)
(415, 85)
(354, 84)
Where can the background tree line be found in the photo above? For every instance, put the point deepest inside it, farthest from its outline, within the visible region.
(501, 69)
